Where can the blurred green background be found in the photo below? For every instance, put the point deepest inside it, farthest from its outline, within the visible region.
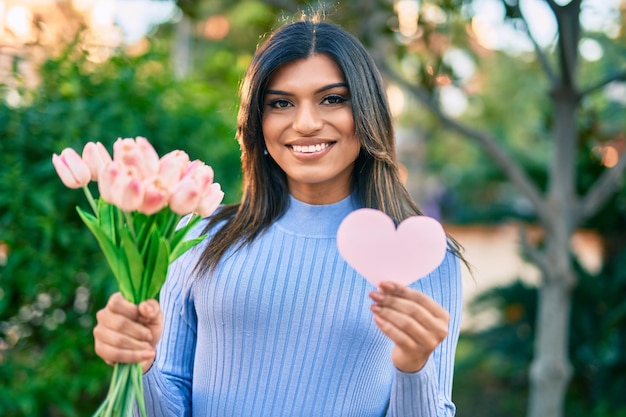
(71, 74)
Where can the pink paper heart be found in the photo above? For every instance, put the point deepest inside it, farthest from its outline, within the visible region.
(369, 241)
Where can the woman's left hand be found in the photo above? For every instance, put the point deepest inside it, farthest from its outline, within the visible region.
(413, 321)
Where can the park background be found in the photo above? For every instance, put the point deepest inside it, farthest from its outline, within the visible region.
(464, 78)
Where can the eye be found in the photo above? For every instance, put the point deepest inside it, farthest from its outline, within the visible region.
(334, 99)
(279, 104)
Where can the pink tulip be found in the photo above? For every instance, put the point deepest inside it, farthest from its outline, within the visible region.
(108, 176)
(155, 197)
(73, 172)
(130, 195)
(210, 200)
(137, 153)
(95, 156)
(202, 174)
(172, 166)
(120, 186)
(185, 196)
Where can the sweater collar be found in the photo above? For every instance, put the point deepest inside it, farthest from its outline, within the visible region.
(316, 220)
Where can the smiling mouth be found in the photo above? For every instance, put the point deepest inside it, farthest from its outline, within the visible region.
(311, 148)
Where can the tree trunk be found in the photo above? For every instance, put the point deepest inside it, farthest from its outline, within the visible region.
(551, 371)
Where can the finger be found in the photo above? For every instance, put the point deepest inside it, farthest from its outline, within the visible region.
(150, 314)
(119, 305)
(407, 306)
(418, 312)
(403, 298)
(411, 321)
(407, 354)
(399, 337)
(427, 330)
(122, 324)
(149, 311)
(119, 340)
(409, 316)
(112, 354)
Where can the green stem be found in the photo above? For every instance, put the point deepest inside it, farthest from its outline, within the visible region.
(113, 389)
(130, 224)
(137, 374)
(92, 202)
(176, 220)
(172, 220)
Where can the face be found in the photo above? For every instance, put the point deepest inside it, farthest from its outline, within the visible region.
(309, 129)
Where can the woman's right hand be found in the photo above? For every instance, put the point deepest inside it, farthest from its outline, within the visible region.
(128, 333)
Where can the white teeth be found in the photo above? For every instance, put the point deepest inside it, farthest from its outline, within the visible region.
(311, 148)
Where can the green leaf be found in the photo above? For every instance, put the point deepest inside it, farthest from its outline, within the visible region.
(159, 259)
(143, 226)
(180, 234)
(107, 216)
(150, 253)
(134, 263)
(115, 260)
(166, 221)
(184, 246)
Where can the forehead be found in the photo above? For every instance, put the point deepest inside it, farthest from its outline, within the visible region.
(316, 70)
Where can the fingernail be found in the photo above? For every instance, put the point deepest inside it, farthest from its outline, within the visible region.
(375, 308)
(148, 309)
(388, 287)
(376, 296)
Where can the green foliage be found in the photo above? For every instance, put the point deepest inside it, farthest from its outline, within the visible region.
(598, 340)
(55, 278)
(509, 96)
(503, 352)
(501, 355)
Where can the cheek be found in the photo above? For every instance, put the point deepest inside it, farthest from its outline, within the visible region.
(345, 122)
(267, 135)
(355, 148)
(269, 128)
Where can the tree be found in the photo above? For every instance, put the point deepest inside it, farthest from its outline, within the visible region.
(560, 208)
(181, 52)
(53, 278)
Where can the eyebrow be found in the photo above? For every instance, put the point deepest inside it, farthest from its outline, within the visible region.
(319, 90)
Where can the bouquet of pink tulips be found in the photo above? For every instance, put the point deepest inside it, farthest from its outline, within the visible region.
(136, 222)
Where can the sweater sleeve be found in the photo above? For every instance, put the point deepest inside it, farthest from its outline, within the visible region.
(428, 392)
(168, 383)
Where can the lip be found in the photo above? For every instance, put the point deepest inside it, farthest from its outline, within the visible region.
(310, 142)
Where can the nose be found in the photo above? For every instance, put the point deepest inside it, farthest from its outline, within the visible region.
(307, 120)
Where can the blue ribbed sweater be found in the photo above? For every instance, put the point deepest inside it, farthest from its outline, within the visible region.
(283, 328)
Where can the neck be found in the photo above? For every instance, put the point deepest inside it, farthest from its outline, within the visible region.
(320, 220)
(317, 195)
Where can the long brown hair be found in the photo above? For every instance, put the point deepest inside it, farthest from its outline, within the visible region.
(375, 178)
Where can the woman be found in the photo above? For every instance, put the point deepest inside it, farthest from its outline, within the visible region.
(266, 319)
